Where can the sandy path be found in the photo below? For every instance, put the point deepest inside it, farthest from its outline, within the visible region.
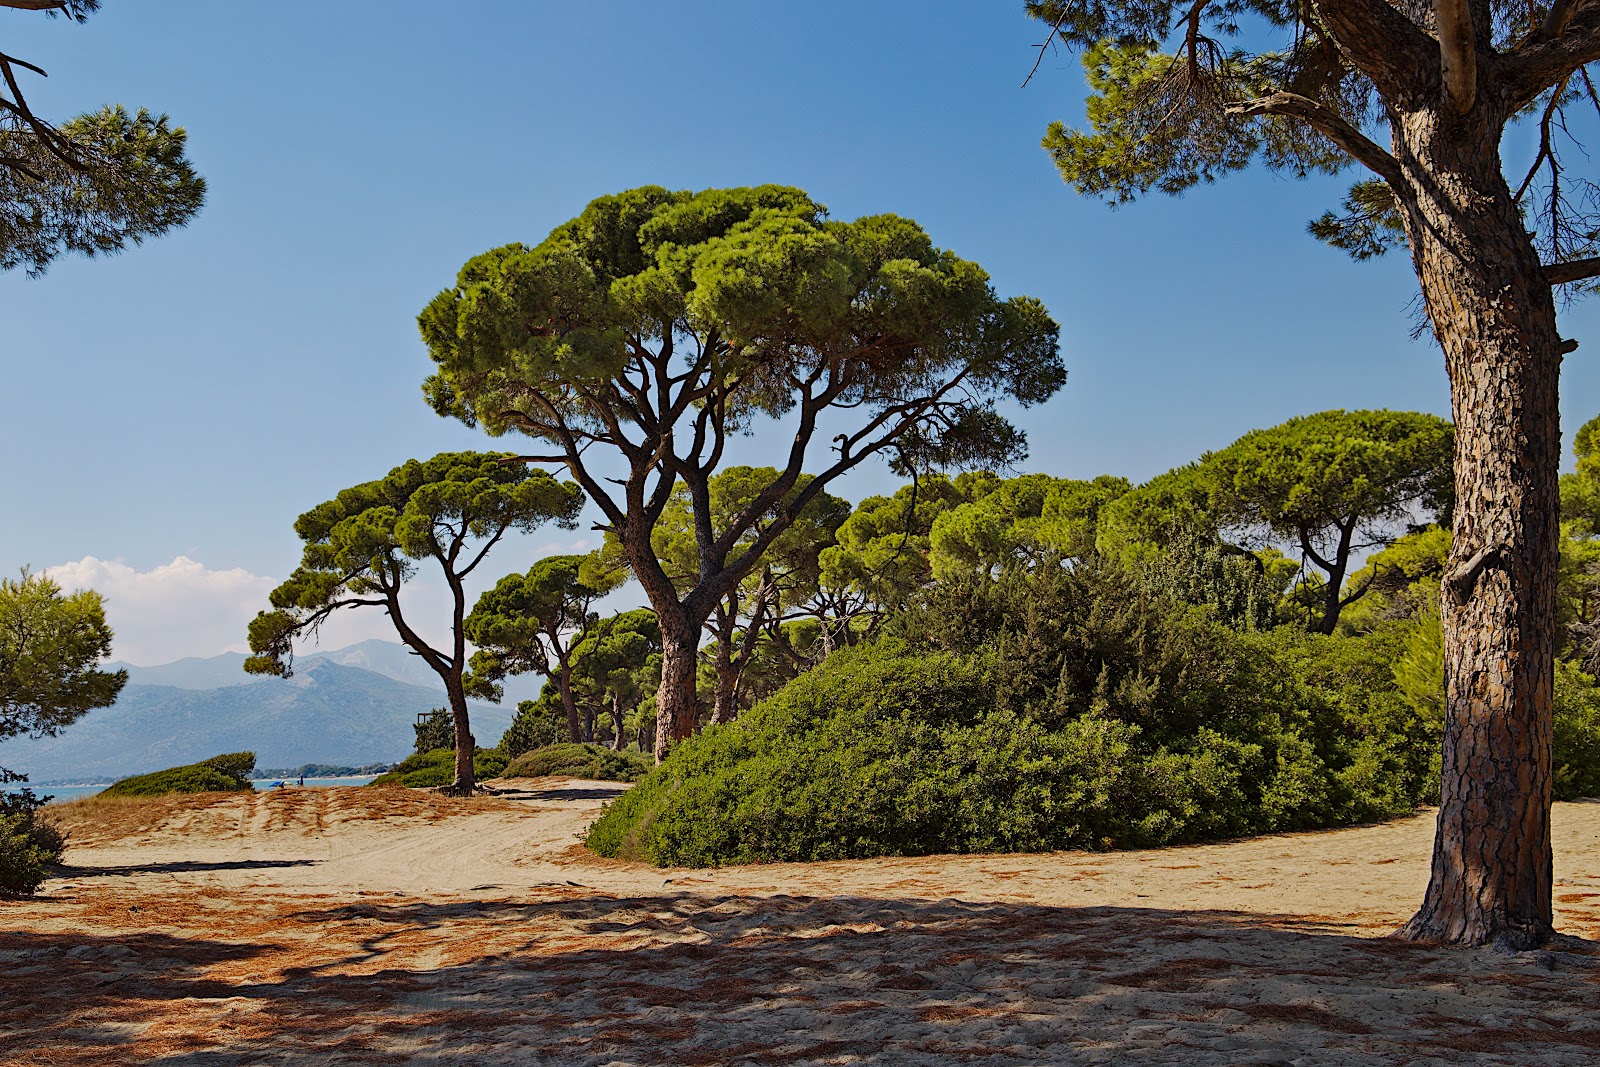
(366, 926)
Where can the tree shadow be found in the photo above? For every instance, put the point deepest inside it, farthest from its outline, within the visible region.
(587, 792)
(690, 979)
(68, 870)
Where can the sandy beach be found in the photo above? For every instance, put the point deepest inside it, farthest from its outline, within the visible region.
(363, 926)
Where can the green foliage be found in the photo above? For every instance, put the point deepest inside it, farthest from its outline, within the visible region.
(92, 185)
(531, 622)
(50, 642)
(1021, 519)
(1576, 741)
(1580, 490)
(1049, 708)
(1139, 523)
(228, 773)
(436, 731)
(430, 770)
(537, 723)
(761, 272)
(29, 844)
(1324, 485)
(1315, 476)
(580, 761)
(881, 554)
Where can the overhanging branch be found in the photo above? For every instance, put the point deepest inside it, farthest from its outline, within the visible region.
(1571, 271)
(1331, 125)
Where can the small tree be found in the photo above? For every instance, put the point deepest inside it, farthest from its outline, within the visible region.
(92, 184)
(534, 621)
(880, 557)
(1335, 484)
(363, 546)
(657, 325)
(50, 643)
(434, 731)
(620, 667)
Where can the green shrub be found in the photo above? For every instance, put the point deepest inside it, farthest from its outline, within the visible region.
(227, 773)
(29, 844)
(1054, 709)
(437, 768)
(537, 723)
(1576, 751)
(580, 761)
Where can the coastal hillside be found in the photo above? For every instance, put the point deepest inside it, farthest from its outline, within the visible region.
(326, 713)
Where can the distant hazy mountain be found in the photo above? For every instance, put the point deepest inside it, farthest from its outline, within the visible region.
(190, 672)
(388, 658)
(326, 713)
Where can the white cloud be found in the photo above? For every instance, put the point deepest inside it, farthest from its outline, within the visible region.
(178, 609)
(185, 608)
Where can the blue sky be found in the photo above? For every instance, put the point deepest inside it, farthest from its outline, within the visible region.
(186, 400)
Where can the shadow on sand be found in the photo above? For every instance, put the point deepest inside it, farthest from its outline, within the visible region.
(67, 870)
(687, 979)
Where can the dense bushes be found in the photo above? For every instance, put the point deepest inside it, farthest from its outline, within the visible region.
(438, 768)
(29, 843)
(1059, 708)
(219, 774)
(580, 761)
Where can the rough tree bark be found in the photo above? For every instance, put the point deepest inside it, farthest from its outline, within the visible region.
(1493, 313)
(569, 704)
(677, 702)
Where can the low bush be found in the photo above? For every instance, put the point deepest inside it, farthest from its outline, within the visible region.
(228, 773)
(580, 761)
(29, 843)
(438, 767)
(1050, 710)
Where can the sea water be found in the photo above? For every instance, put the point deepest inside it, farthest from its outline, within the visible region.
(73, 792)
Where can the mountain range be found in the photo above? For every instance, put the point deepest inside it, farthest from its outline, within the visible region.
(349, 706)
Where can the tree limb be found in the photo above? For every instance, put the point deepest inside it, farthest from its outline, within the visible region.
(1572, 271)
(1460, 581)
(1540, 63)
(1458, 54)
(1331, 125)
(1384, 45)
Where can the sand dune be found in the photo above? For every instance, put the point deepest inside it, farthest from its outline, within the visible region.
(392, 926)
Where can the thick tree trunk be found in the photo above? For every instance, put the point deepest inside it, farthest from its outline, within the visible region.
(465, 784)
(677, 703)
(1494, 316)
(1332, 601)
(568, 703)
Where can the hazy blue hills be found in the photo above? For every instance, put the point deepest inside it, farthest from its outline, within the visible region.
(388, 658)
(327, 713)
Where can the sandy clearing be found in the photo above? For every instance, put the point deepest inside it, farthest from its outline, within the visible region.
(390, 926)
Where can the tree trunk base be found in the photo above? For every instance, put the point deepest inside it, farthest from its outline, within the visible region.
(457, 789)
(1436, 930)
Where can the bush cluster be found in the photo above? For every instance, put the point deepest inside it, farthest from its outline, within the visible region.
(438, 767)
(227, 773)
(29, 843)
(585, 760)
(1055, 708)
